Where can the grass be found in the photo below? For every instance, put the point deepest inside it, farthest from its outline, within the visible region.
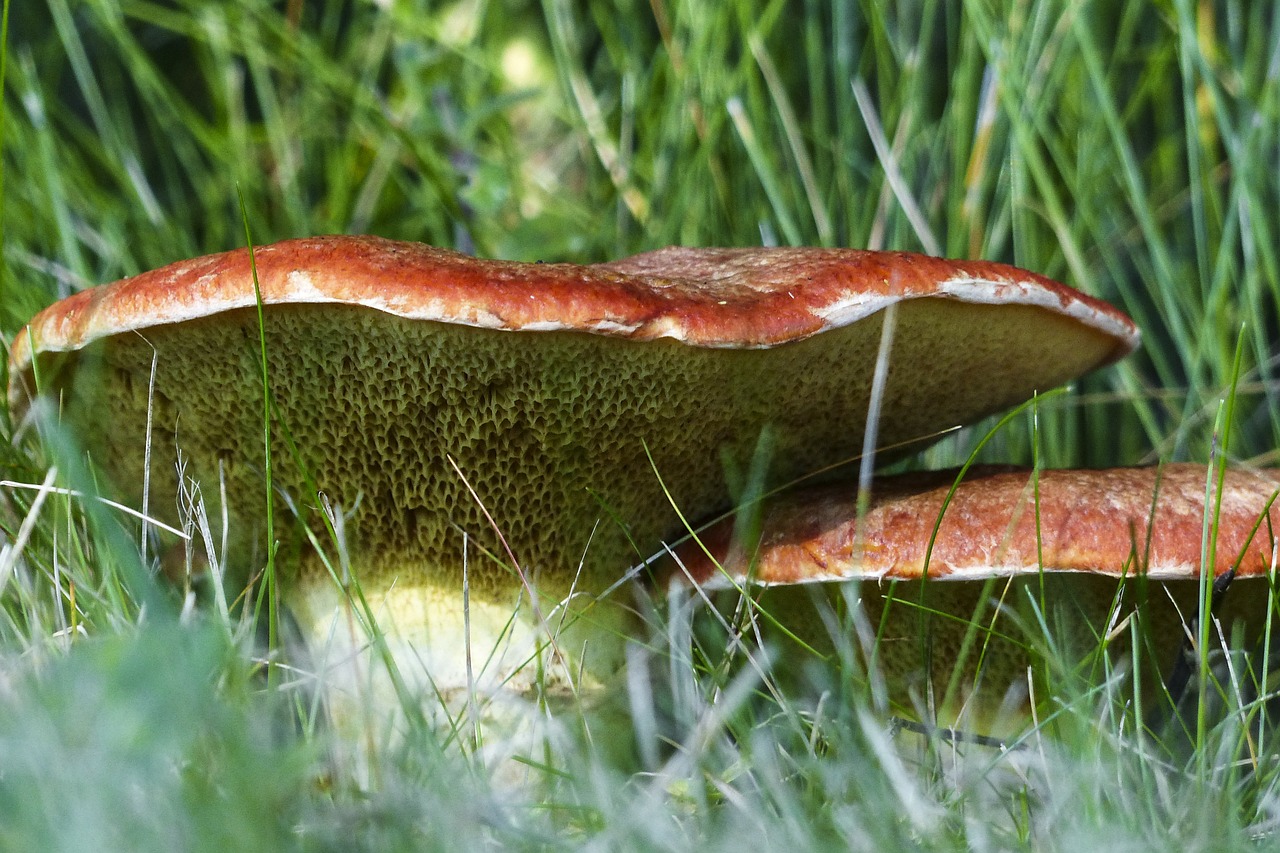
(1128, 149)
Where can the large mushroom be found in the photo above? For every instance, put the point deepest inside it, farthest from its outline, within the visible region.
(528, 419)
(1086, 549)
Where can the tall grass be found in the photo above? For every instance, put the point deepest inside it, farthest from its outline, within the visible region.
(1129, 149)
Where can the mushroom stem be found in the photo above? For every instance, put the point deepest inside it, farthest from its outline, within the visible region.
(496, 647)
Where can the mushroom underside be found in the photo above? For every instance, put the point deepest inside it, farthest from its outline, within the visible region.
(988, 649)
(576, 445)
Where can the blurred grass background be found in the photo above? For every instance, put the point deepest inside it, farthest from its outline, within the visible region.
(1131, 150)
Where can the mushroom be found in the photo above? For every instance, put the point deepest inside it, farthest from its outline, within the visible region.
(1097, 544)
(529, 424)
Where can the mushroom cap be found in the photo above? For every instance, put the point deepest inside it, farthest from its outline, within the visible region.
(552, 386)
(1118, 522)
(730, 298)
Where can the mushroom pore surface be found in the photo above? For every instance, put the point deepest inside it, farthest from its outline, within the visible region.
(550, 428)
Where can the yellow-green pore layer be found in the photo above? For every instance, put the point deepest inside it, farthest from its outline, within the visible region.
(550, 428)
(993, 649)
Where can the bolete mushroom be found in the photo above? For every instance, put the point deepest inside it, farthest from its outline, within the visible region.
(579, 403)
(1086, 548)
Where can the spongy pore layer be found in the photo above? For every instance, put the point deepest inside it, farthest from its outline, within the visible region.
(577, 445)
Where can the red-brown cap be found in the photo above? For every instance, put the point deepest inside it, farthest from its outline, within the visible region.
(1119, 521)
(731, 298)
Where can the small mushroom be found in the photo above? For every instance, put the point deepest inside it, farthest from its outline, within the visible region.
(535, 419)
(1098, 544)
